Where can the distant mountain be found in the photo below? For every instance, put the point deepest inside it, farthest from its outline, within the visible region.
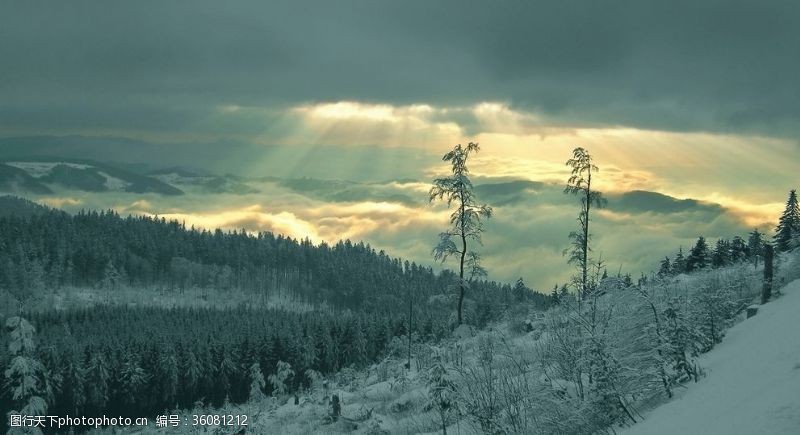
(641, 201)
(16, 180)
(205, 183)
(36, 175)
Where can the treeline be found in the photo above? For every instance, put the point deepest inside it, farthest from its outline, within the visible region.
(724, 253)
(52, 249)
(143, 361)
(728, 252)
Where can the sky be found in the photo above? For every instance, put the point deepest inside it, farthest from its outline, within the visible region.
(690, 109)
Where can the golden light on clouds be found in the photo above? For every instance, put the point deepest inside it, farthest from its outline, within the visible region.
(351, 123)
(524, 145)
(324, 222)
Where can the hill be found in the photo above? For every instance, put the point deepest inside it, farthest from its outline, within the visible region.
(20, 207)
(101, 250)
(40, 175)
(753, 380)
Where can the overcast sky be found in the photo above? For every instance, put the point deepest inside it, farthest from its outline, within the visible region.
(691, 99)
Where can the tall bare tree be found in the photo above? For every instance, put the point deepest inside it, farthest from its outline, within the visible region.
(466, 222)
(580, 184)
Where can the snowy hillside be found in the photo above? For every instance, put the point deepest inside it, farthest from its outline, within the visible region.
(752, 384)
(39, 176)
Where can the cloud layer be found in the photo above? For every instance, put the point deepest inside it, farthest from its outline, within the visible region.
(165, 68)
(525, 238)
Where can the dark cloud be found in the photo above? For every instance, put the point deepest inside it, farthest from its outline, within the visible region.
(166, 66)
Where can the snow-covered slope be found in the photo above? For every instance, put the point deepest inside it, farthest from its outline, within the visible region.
(752, 384)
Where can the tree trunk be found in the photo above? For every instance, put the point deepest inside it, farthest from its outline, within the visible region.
(766, 291)
(585, 264)
(410, 307)
(463, 255)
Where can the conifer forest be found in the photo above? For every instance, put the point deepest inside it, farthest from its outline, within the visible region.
(384, 217)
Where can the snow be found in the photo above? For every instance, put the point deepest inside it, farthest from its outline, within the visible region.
(114, 183)
(752, 384)
(41, 169)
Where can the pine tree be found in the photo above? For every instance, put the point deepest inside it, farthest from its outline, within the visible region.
(168, 382)
(111, 277)
(679, 265)
(26, 377)
(97, 388)
(191, 374)
(580, 183)
(788, 227)
(738, 250)
(279, 379)
(73, 385)
(755, 246)
(698, 257)
(256, 383)
(665, 269)
(132, 380)
(520, 290)
(466, 223)
(442, 392)
(721, 255)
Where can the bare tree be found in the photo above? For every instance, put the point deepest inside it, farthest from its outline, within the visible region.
(580, 184)
(466, 222)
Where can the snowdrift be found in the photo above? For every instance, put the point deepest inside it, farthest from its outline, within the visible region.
(752, 384)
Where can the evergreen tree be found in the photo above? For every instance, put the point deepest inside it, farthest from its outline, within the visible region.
(97, 388)
(168, 379)
(698, 257)
(256, 383)
(442, 392)
(111, 277)
(755, 246)
(665, 269)
(788, 225)
(520, 290)
(679, 265)
(26, 377)
(279, 379)
(738, 249)
(132, 380)
(466, 222)
(721, 255)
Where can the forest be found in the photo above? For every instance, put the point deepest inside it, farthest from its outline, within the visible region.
(115, 359)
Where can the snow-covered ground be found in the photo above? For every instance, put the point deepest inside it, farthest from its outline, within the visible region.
(42, 169)
(752, 384)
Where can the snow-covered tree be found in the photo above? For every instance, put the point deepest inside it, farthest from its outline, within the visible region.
(256, 383)
(679, 264)
(111, 277)
(580, 184)
(665, 269)
(738, 249)
(720, 257)
(97, 388)
(755, 246)
(788, 227)
(520, 290)
(466, 222)
(26, 377)
(699, 256)
(442, 393)
(279, 379)
(132, 379)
